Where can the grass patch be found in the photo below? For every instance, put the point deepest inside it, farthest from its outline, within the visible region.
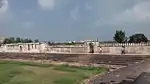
(65, 81)
(12, 72)
(25, 63)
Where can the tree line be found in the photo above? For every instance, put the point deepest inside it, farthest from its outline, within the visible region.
(120, 37)
(18, 40)
(52, 43)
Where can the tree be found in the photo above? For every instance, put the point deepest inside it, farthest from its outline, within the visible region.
(50, 43)
(138, 38)
(6, 41)
(119, 36)
(30, 41)
(12, 39)
(22, 40)
(36, 40)
(27, 40)
(9, 40)
(18, 40)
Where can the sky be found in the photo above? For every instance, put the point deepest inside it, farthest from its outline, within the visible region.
(64, 20)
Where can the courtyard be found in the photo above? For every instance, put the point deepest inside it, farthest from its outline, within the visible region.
(12, 72)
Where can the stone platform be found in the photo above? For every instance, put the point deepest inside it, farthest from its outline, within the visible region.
(124, 60)
(144, 78)
(128, 75)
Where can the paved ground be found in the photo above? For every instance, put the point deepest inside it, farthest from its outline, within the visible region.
(131, 72)
(144, 78)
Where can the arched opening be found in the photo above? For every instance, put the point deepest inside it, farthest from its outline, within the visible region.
(91, 46)
(20, 48)
(28, 47)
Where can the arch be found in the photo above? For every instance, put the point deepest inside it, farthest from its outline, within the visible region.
(20, 48)
(91, 46)
(28, 47)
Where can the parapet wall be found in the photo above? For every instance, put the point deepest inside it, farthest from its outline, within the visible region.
(128, 50)
(107, 48)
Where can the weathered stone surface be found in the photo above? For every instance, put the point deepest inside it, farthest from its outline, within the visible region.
(128, 73)
(80, 58)
(144, 78)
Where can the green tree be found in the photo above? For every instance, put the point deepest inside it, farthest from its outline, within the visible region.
(138, 38)
(30, 41)
(119, 36)
(36, 40)
(9, 40)
(12, 40)
(49, 43)
(18, 40)
(22, 40)
(6, 41)
(27, 40)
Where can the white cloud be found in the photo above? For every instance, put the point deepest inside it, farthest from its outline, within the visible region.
(46, 4)
(5, 15)
(138, 13)
(75, 13)
(3, 6)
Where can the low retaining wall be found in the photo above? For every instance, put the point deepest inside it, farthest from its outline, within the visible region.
(78, 58)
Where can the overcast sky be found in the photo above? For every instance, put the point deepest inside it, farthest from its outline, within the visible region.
(62, 20)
